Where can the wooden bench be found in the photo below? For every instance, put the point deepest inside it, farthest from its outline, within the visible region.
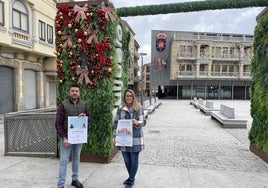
(226, 116)
(208, 108)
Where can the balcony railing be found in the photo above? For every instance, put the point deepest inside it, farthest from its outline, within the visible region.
(186, 73)
(225, 74)
(191, 74)
(246, 74)
(203, 73)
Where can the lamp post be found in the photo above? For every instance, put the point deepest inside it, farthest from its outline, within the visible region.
(142, 54)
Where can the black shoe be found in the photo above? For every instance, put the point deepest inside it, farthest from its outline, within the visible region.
(77, 184)
(128, 181)
(125, 182)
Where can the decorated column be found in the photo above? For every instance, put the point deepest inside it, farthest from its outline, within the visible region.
(89, 52)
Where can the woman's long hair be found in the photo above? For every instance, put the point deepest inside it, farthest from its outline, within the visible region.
(135, 103)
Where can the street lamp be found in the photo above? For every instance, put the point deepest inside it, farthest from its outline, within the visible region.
(142, 54)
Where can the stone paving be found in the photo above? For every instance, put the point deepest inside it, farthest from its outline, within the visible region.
(184, 148)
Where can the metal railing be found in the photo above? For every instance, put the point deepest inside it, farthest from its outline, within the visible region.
(31, 133)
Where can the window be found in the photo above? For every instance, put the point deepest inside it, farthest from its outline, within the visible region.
(216, 68)
(20, 16)
(189, 67)
(231, 68)
(202, 67)
(182, 67)
(42, 30)
(224, 68)
(2, 13)
(50, 34)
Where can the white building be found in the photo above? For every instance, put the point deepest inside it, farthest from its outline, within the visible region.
(27, 60)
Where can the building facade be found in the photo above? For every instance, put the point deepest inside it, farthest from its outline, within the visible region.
(199, 64)
(27, 55)
(27, 60)
(133, 59)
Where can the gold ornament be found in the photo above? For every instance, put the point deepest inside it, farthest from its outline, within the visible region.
(85, 33)
(79, 40)
(59, 32)
(70, 25)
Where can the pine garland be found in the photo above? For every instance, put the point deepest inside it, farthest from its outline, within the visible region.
(189, 7)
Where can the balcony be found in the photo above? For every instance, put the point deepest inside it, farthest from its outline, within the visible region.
(187, 74)
(246, 74)
(191, 56)
(225, 74)
(205, 74)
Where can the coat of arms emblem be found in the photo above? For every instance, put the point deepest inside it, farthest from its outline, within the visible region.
(161, 41)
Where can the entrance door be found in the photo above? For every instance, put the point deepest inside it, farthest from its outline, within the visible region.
(239, 92)
(29, 89)
(7, 90)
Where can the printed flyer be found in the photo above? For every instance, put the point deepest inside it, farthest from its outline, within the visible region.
(77, 129)
(124, 133)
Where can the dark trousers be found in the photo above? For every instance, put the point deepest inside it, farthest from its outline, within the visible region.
(131, 161)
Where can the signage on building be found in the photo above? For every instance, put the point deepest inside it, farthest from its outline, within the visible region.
(161, 41)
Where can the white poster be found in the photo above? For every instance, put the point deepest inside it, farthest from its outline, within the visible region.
(77, 129)
(124, 133)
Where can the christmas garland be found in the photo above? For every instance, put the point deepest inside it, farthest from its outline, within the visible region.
(188, 7)
(82, 43)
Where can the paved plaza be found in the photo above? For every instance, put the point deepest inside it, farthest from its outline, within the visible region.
(183, 149)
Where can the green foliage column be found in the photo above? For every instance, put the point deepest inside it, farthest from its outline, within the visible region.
(86, 54)
(258, 134)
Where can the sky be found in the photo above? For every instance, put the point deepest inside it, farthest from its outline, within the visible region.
(239, 21)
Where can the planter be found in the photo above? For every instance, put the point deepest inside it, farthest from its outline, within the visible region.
(88, 157)
(259, 152)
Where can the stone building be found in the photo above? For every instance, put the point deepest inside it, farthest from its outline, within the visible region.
(27, 54)
(200, 64)
(27, 60)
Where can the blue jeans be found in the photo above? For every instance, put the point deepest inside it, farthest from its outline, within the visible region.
(131, 161)
(64, 159)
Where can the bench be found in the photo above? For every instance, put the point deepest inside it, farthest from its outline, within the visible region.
(148, 107)
(193, 101)
(157, 102)
(199, 103)
(208, 108)
(226, 116)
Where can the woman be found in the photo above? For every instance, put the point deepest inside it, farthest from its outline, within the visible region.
(131, 109)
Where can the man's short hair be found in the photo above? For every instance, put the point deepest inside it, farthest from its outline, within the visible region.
(74, 85)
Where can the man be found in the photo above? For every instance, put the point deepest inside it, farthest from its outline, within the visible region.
(70, 107)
